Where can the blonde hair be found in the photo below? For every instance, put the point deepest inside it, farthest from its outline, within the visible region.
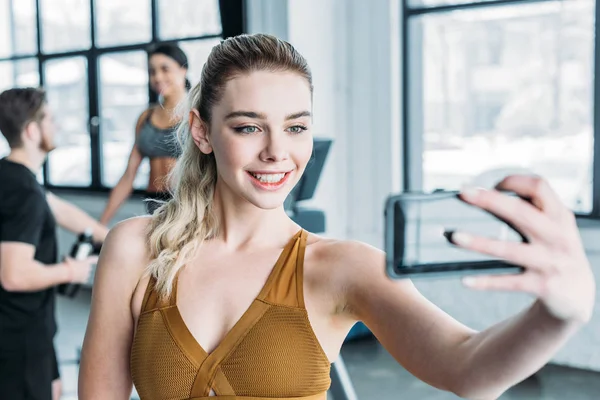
(180, 225)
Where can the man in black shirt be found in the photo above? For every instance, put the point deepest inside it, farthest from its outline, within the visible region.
(29, 267)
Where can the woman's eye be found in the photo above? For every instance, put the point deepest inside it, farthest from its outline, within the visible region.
(246, 129)
(297, 129)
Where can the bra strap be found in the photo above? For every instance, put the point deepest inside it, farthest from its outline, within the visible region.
(150, 111)
(150, 300)
(300, 269)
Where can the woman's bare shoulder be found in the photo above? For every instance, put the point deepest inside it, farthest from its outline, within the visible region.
(125, 247)
(337, 266)
(341, 251)
(339, 261)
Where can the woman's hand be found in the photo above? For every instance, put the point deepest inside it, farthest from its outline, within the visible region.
(557, 270)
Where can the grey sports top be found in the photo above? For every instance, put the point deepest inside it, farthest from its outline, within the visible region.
(153, 142)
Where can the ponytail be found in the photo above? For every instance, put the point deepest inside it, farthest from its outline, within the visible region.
(180, 225)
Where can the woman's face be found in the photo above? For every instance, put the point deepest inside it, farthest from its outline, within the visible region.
(261, 136)
(167, 77)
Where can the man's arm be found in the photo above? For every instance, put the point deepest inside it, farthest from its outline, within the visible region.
(22, 216)
(74, 219)
(19, 272)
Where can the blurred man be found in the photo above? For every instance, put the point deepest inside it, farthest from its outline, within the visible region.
(29, 269)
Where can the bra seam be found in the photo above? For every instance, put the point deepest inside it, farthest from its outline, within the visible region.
(241, 338)
(176, 342)
(156, 309)
(234, 347)
(281, 305)
(316, 339)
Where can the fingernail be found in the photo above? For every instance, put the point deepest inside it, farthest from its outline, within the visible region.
(470, 192)
(461, 238)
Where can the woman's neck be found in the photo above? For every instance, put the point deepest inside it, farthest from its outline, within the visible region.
(243, 223)
(169, 103)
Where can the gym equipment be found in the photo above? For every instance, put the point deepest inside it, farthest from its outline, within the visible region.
(313, 220)
(82, 248)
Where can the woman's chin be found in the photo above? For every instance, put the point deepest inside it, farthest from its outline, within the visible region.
(269, 201)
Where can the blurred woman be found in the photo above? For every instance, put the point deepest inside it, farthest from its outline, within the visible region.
(154, 132)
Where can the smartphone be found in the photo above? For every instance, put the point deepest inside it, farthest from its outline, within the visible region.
(418, 236)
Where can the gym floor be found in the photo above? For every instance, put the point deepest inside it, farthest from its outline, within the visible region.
(374, 373)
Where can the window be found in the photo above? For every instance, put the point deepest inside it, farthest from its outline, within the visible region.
(17, 39)
(22, 72)
(118, 22)
(17, 28)
(182, 18)
(197, 52)
(90, 55)
(66, 87)
(433, 3)
(65, 30)
(501, 88)
(123, 97)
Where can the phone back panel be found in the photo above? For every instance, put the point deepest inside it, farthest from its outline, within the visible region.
(415, 241)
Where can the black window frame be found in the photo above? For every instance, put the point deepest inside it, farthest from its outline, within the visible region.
(412, 171)
(233, 22)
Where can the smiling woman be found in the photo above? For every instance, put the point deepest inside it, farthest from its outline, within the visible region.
(220, 293)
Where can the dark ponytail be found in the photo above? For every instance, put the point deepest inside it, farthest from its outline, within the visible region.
(188, 84)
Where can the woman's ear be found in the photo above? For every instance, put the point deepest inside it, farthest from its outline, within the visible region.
(199, 132)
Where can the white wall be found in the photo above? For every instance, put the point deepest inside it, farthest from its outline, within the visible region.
(348, 47)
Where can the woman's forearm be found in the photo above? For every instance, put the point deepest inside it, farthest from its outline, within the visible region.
(511, 351)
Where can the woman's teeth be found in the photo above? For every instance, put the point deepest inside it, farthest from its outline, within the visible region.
(268, 178)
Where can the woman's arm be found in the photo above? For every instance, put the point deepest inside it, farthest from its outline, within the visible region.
(124, 187)
(450, 356)
(104, 370)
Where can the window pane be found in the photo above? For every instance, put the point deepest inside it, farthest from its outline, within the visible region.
(66, 83)
(123, 97)
(19, 73)
(17, 28)
(119, 22)
(188, 18)
(197, 52)
(65, 30)
(434, 3)
(509, 89)
(4, 149)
